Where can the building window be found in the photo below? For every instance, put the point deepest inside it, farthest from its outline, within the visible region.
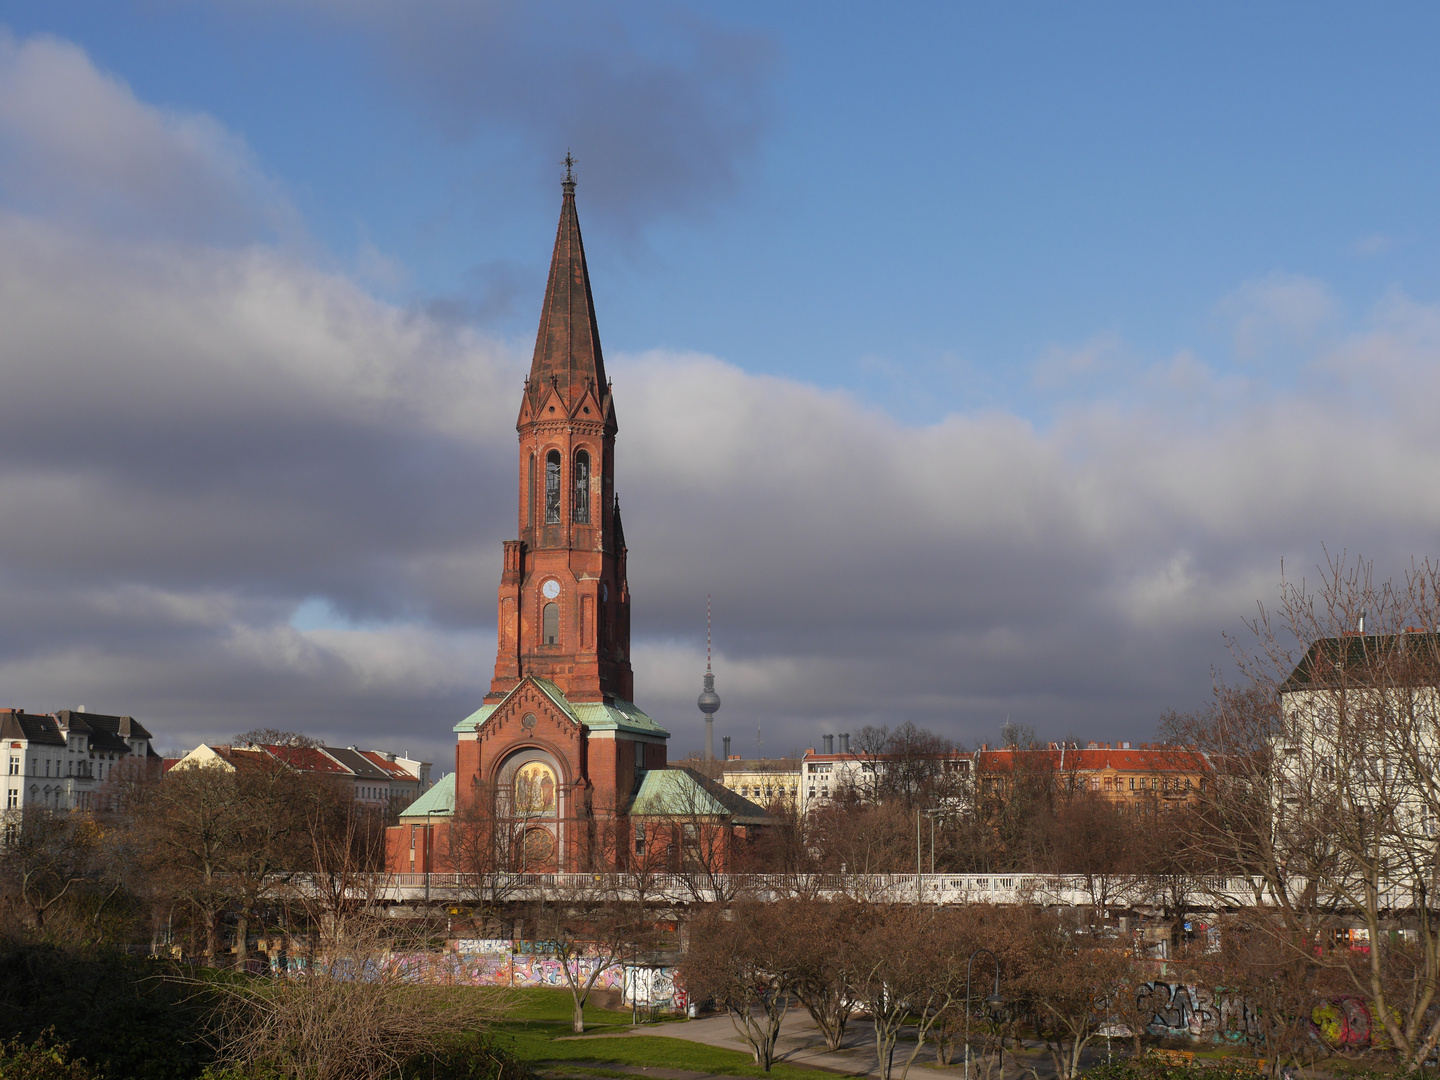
(1132, 783)
(550, 625)
(639, 839)
(14, 764)
(12, 801)
(530, 494)
(552, 488)
(582, 487)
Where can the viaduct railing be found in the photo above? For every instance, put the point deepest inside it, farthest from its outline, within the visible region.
(941, 889)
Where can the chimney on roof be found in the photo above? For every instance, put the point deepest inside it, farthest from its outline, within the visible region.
(80, 709)
(1360, 626)
(829, 744)
(1124, 746)
(725, 742)
(844, 742)
(1092, 745)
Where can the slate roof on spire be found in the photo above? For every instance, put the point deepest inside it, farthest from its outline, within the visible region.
(567, 348)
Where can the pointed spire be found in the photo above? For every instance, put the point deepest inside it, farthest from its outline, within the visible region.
(567, 348)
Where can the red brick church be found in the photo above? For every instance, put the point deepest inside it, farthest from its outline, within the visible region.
(558, 762)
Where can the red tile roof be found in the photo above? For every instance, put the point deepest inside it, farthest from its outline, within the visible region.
(380, 761)
(1163, 759)
(307, 759)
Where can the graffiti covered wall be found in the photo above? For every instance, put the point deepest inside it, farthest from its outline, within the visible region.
(1181, 1011)
(488, 969)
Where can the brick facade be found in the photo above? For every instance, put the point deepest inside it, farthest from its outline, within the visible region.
(553, 758)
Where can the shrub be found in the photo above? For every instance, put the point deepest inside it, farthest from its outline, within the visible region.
(43, 1059)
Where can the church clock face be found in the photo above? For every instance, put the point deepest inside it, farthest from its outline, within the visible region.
(551, 589)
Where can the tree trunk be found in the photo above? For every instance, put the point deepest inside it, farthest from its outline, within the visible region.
(242, 937)
(577, 1016)
(212, 935)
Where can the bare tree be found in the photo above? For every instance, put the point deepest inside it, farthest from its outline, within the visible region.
(47, 857)
(193, 820)
(592, 926)
(910, 969)
(1096, 841)
(1065, 975)
(274, 737)
(818, 949)
(731, 960)
(1329, 790)
(344, 857)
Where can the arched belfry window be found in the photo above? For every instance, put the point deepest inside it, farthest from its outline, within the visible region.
(582, 487)
(552, 488)
(530, 494)
(550, 624)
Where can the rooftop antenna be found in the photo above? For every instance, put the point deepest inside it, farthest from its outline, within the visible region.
(709, 700)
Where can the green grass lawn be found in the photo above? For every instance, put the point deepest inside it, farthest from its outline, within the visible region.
(537, 1024)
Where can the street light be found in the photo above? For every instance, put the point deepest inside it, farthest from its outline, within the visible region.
(994, 1000)
(932, 815)
(429, 843)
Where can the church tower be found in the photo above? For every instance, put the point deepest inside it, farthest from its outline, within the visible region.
(564, 611)
(555, 755)
(558, 769)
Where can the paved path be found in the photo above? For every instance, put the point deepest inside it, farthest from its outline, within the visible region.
(801, 1043)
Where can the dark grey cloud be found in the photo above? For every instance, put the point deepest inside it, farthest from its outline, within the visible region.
(663, 108)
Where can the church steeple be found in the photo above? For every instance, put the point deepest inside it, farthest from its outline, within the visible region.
(567, 355)
(564, 601)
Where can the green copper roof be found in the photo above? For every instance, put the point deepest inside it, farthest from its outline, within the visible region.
(476, 718)
(681, 792)
(595, 715)
(440, 799)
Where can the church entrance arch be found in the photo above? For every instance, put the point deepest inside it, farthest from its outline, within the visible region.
(531, 784)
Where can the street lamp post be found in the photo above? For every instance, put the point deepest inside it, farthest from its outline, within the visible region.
(994, 1000)
(429, 844)
(932, 814)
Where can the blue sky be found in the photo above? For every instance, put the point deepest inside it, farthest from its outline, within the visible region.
(1144, 266)
(924, 198)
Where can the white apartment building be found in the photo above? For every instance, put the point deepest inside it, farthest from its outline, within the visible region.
(1360, 743)
(62, 761)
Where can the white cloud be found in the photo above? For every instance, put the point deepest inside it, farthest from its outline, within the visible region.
(1372, 244)
(76, 143)
(1060, 366)
(1277, 311)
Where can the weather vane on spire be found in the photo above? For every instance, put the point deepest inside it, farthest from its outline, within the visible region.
(569, 164)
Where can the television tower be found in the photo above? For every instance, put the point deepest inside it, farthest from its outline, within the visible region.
(709, 701)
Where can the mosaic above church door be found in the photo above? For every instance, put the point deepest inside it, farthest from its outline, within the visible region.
(535, 789)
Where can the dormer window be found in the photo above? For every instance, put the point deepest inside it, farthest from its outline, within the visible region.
(552, 488)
